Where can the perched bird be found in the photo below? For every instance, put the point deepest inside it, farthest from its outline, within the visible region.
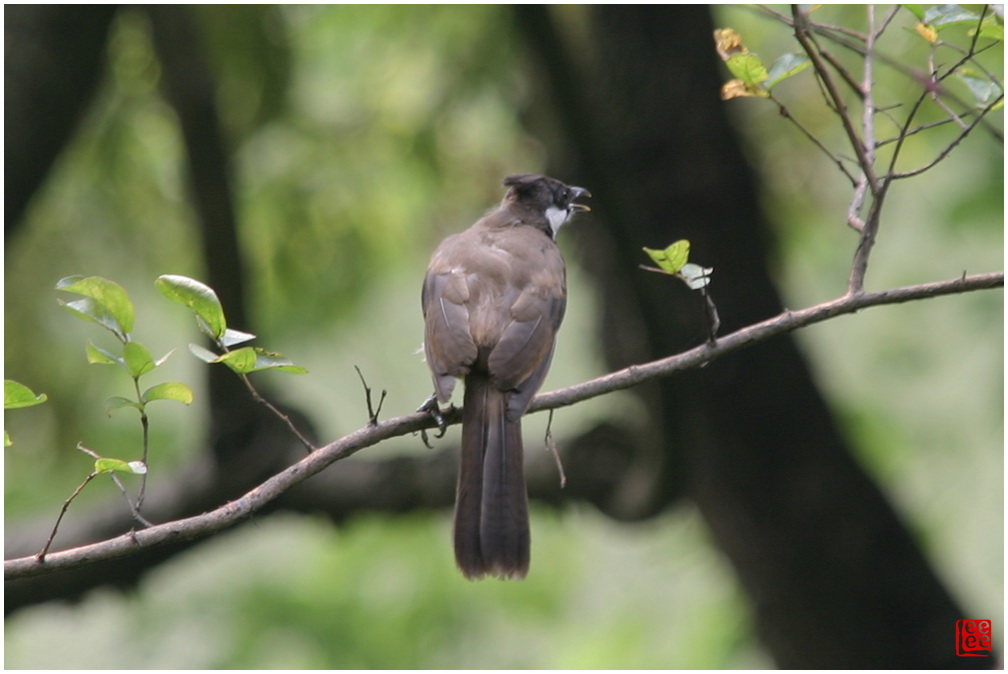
(493, 299)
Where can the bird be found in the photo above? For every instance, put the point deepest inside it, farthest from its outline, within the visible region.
(493, 298)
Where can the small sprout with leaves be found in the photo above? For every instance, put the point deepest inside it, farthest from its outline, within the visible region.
(674, 261)
(106, 303)
(933, 20)
(202, 299)
(752, 78)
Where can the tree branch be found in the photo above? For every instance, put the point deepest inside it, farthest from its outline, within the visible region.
(241, 508)
(803, 35)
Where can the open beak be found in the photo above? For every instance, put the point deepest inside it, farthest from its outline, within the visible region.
(578, 193)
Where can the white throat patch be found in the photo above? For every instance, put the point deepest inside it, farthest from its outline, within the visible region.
(556, 217)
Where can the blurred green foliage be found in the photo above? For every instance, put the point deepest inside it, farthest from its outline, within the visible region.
(361, 135)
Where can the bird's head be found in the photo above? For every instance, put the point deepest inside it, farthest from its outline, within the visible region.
(544, 196)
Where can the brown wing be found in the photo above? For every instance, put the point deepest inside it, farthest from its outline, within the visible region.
(448, 346)
(521, 359)
(526, 339)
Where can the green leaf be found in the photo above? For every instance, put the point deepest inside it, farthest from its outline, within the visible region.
(162, 359)
(240, 360)
(199, 297)
(108, 301)
(786, 66)
(984, 89)
(747, 67)
(233, 337)
(991, 29)
(672, 258)
(99, 356)
(271, 360)
(17, 396)
(942, 16)
(916, 10)
(169, 390)
(138, 359)
(252, 359)
(120, 466)
(118, 402)
(91, 310)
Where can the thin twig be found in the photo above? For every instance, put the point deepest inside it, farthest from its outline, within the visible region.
(66, 504)
(801, 30)
(134, 508)
(918, 129)
(845, 75)
(552, 447)
(820, 28)
(280, 415)
(372, 413)
(145, 425)
(713, 318)
(786, 114)
(951, 146)
(868, 128)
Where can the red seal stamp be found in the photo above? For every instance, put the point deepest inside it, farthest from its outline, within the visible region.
(973, 638)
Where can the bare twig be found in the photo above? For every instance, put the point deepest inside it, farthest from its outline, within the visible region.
(821, 29)
(145, 425)
(786, 114)
(134, 508)
(280, 415)
(918, 129)
(372, 412)
(869, 229)
(713, 318)
(845, 74)
(948, 148)
(66, 504)
(243, 507)
(802, 34)
(552, 447)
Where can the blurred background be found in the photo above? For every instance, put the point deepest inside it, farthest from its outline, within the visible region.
(829, 499)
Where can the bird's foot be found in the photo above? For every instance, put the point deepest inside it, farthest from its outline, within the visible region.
(430, 406)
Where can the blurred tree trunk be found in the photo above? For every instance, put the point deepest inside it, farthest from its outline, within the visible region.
(834, 578)
(54, 57)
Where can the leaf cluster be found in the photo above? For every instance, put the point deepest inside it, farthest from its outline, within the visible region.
(203, 301)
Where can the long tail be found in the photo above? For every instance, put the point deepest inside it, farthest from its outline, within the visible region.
(491, 505)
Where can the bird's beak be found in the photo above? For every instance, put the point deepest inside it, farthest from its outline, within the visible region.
(579, 192)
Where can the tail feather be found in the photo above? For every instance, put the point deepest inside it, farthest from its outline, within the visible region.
(491, 506)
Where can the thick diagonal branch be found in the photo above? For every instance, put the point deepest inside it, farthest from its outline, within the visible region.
(243, 507)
